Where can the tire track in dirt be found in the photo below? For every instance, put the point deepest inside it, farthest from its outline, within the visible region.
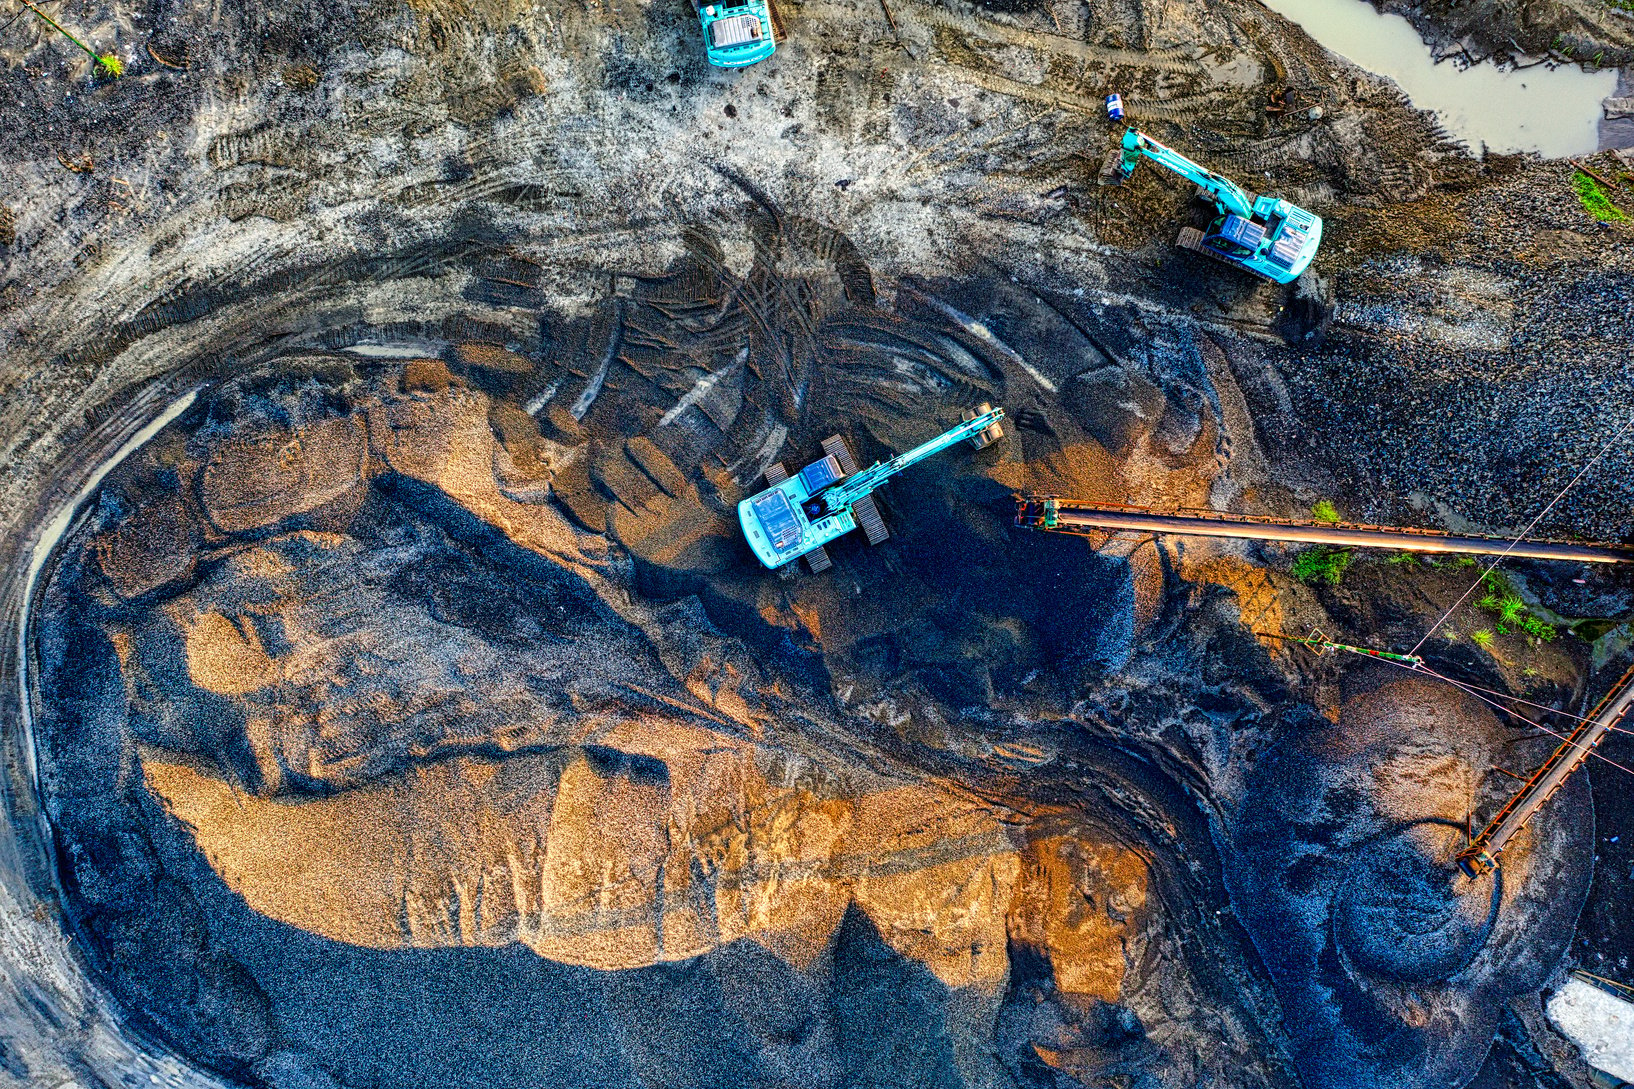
(996, 33)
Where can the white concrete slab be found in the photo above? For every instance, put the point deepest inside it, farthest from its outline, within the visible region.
(1599, 1023)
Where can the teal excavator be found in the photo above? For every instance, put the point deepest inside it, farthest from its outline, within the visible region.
(1266, 236)
(797, 515)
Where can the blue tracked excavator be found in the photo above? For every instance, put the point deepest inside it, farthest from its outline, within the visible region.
(1267, 236)
(797, 515)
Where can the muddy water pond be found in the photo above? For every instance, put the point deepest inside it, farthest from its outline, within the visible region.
(1553, 111)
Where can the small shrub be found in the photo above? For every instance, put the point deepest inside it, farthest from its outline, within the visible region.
(1322, 565)
(1510, 612)
(1324, 511)
(1595, 201)
(1482, 638)
(1401, 558)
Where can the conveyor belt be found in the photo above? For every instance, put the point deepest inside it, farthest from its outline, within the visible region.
(1074, 516)
(1481, 856)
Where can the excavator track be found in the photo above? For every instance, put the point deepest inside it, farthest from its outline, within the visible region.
(865, 510)
(1190, 238)
(835, 447)
(867, 516)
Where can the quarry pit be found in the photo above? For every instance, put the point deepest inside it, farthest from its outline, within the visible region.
(391, 698)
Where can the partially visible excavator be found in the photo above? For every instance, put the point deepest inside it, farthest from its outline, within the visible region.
(737, 33)
(1266, 236)
(797, 515)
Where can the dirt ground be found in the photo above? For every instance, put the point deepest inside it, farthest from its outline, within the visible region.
(405, 709)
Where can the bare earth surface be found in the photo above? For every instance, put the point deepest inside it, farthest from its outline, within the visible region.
(406, 710)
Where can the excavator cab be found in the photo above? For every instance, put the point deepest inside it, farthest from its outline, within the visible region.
(1235, 237)
(737, 33)
(815, 478)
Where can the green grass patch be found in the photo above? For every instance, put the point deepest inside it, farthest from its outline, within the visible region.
(1535, 627)
(1506, 606)
(1482, 638)
(1595, 201)
(1399, 558)
(1327, 565)
(1324, 511)
(1510, 612)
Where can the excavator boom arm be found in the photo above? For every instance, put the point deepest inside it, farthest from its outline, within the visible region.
(1225, 193)
(855, 487)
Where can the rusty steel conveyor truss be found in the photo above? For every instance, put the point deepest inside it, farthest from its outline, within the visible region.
(1481, 856)
(1079, 516)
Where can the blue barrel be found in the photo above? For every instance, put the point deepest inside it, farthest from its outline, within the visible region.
(1114, 107)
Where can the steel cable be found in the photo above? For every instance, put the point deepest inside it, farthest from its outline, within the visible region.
(1524, 533)
(1427, 671)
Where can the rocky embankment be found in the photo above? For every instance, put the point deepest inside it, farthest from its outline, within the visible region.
(1557, 29)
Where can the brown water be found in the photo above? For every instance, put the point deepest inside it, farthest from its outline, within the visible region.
(1553, 111)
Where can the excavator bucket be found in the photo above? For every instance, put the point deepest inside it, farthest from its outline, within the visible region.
(988, 435)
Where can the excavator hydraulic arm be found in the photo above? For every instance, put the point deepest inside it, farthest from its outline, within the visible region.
(1226, 194)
